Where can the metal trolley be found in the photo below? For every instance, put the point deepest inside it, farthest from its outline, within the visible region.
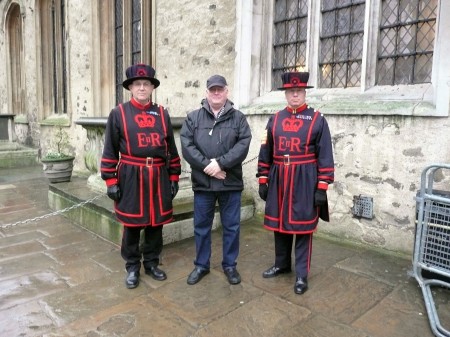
(432, 242)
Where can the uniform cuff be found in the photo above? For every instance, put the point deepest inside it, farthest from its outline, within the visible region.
(321, 185)
(112, 181)
(174, 177)
(263, 180)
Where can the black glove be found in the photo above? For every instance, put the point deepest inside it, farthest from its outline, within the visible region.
(263, 191)
(320, 198)
(113, 192)
(174, 188)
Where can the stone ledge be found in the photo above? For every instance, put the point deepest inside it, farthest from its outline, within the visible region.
(99, 218)
(13, 155)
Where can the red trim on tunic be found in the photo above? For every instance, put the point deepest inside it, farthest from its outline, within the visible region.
(308, 140)
(161, 112)
(141, 201)
(125, 128)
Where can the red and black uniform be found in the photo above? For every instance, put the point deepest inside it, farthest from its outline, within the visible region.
(295, 159)
(141, 157)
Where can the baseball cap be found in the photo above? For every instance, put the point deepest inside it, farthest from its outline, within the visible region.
(216, 81)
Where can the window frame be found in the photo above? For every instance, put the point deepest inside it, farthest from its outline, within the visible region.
(147, 38)
(427, 99)
(52, 57)
(104, 61)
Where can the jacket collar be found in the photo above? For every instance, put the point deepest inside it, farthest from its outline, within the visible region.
(228, 106)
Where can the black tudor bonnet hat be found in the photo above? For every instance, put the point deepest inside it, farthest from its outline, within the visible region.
(295, 80)
(140, 71)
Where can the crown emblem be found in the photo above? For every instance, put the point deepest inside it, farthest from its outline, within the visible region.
(141, 72)
(295, 81)
(292, 124)
(144, 120)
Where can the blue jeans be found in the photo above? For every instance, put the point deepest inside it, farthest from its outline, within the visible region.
(230, 216)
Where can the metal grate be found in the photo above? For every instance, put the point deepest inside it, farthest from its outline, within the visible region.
(290, 33)
(341, 43)
(362, 206)
(436, 237)
(407, 33)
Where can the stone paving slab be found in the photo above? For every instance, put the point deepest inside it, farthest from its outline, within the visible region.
(340, 295)
(322, 326)
(30, 287)
(140, 316)
(26, 319)
(401, 313)
(265, 315)
(14, 268)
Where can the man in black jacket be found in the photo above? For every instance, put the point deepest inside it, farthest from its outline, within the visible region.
(215, 140)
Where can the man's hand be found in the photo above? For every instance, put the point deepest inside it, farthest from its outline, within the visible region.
(113, 192)
(221, 175)
(263, 191)
(174, 188)
(213, 168)
(320, 197)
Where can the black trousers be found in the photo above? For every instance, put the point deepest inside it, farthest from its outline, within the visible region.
(302, 252)
(150, 251)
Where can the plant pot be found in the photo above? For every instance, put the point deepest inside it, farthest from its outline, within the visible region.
(58, 170)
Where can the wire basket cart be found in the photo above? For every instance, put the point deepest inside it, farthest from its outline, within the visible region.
(432, 243)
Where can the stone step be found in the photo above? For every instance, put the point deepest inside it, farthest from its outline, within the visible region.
(98, 216)
(14, 155)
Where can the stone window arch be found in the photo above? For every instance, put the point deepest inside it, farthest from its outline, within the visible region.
(52, 63)
(16, 79)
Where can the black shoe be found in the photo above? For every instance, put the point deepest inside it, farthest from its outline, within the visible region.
(301, 285)
(232, 275)
(196, 275)
(132, 280)
(275, 271)
(156, 273)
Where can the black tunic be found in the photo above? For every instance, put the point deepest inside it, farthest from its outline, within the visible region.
(141, 156)
(296, 153)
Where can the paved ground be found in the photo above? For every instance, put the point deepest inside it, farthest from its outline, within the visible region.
(57, 279)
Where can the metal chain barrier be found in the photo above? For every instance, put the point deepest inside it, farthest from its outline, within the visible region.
(53, 213)
(67, 209)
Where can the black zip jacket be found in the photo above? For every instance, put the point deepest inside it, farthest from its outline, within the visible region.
(227, 139)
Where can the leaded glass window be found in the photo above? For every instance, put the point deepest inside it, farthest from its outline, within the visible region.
(407, 33)
(136, 32)
(341, 43)
(132, 44)
(290, 34)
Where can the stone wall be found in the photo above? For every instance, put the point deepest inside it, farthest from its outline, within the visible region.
(191, 45)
